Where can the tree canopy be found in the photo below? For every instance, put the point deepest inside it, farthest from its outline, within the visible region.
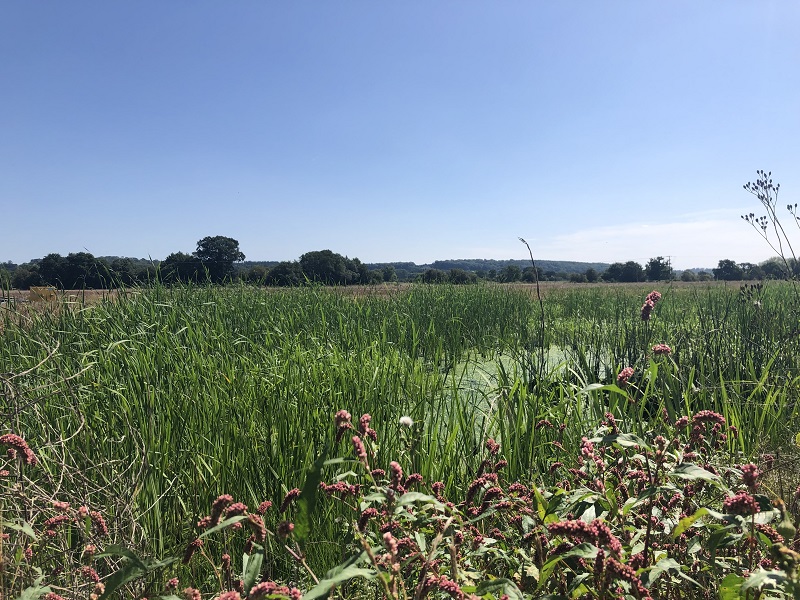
(217, 254)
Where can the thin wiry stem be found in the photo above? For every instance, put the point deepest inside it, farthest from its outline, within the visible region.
(543, 353)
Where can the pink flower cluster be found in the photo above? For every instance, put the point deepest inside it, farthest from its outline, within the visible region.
(660, 349)
(741, 504)
(624, 376)
(270, 588)
(649, 304)
(596, 532)
(342, 422)
(16, 445)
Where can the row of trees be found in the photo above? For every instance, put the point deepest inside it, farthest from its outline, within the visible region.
(213, 261)
(217, 259)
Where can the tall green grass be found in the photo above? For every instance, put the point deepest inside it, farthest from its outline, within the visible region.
(184, 393)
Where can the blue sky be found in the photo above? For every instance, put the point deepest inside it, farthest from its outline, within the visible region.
(599, 131)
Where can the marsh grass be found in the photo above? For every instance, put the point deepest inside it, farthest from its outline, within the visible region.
(183, 393)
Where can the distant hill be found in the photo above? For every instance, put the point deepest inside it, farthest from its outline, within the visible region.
(476, 265)
(482, 264)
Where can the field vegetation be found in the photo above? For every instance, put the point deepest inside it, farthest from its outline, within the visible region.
(596, 457)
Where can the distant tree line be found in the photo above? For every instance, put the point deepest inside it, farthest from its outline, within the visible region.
(218, 259)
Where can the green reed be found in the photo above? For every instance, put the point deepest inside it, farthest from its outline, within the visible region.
(187, 392)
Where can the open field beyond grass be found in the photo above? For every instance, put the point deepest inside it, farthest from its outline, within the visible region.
(152, 403)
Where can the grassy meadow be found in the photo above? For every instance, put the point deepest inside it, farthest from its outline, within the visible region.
(154, 402)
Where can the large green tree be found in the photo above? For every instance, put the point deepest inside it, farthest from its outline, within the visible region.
(180, 266)
(217, 254)
(658, 269)
(629, 272)
(727, 270)
(287, 273)
(330, 268)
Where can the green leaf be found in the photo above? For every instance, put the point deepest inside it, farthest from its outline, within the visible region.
(592, 387)
(771, 580)
(730, 587)
(324, 587)
(692, 472)
(687, 522)
(21, 526)
(665, 564)
(503, 586)
(411, 497)
(222, 525)
(251, 567)
(584, 550)
(111, 551)
(541, 503)
(308, 499)
(625, 440)
(351, 560)
(128, 572)
(33, 592)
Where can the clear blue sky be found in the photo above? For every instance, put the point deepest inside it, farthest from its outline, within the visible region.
(418, 130)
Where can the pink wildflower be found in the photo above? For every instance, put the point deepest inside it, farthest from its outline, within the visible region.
(218, 507)
(360, 450)
(624, 376)
(290, 497)
(750, 474)
(18, 445)
(285, 529)
(193, 547)
(741, 504)
(342, 422)
(235, 509)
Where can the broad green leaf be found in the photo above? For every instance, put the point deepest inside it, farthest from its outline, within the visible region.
(532, 571)
(324, 587)
(665, 564)
(21, 526)
(685, 523)
(222, 525)
(504, 586)
(771, 580)
(308, 499)
(124, 552)
(350, 561)
(411, 497)
(541, 503)
(692, 472)
(251, 567)
(624, 440)
(421, 543)
(730, 587)
(33, 592)
(584, 550)
(128, 572)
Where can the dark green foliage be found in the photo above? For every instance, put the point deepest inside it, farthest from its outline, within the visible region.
(658, 269)
(181, 267)
(629, 272)
(330, 268)
(727, 270)
(434, 276)
(286, 274)
(217, 255)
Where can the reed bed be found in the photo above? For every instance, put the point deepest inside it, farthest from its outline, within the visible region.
(183, 393)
